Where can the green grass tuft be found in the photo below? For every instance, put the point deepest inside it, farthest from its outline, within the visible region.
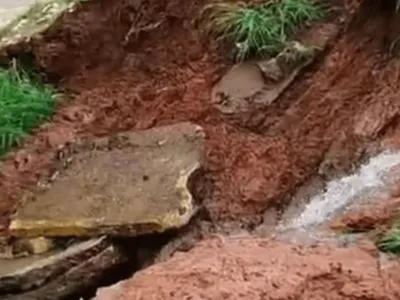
(24, 104)
(261, 29)
(391, 241)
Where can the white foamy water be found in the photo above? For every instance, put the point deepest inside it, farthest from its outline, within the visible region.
(342, 192)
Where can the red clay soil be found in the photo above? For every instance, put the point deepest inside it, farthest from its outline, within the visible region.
(126, 76)
(261, 269)
(380, 216)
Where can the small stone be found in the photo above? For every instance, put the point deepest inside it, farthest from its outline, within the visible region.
(38, 245)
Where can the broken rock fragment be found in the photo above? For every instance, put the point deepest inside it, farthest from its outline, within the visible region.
(25, 273)
(123, 185)
(59, 274)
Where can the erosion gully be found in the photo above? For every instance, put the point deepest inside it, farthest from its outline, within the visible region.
(338, 113)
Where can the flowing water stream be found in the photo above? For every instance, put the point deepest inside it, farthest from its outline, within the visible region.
(340, 194)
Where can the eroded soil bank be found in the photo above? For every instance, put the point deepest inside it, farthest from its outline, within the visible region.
(130, 65)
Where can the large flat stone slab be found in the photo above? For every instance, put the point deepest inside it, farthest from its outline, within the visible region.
(127, 184)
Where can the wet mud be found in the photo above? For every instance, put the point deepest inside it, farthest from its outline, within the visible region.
(133, 65)
(113, 58)
(262, 269)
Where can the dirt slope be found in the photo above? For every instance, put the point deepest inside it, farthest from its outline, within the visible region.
(136, 64)
(134, 70)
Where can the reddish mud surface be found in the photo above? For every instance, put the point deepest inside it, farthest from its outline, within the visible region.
(377, 216)
(262, 269)
(132, 70)
(136, 64)
(127, 76)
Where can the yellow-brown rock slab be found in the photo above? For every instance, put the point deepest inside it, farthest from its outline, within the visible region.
(128, 184)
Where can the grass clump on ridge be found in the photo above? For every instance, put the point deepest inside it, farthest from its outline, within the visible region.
(259, 29)
(24, 104)
(391, 241)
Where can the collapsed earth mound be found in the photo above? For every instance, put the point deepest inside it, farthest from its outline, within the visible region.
(261, 269)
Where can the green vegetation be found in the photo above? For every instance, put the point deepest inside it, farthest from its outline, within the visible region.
(24, 104)
(391, 240)
(259, 29)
